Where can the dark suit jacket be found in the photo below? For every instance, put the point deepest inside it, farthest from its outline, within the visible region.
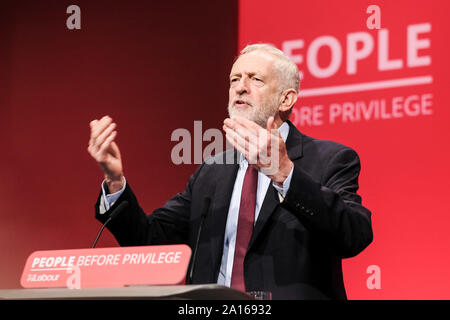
(296, 247)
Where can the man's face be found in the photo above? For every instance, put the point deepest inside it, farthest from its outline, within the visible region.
(254, 87)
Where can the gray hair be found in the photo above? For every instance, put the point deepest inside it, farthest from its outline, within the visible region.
(286, 68)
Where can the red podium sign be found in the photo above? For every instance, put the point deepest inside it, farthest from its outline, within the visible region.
(107, 267)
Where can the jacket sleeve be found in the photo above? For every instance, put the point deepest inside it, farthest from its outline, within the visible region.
(332, 207)
(166, 225)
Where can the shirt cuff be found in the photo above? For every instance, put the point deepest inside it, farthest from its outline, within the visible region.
(109, 199)
(286, 184)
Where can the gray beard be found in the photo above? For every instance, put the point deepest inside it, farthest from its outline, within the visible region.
(257, 114)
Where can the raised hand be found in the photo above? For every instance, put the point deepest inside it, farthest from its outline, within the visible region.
(262, 147)
(106, 152)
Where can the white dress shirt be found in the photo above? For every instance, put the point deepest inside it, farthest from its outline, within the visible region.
(226, 266)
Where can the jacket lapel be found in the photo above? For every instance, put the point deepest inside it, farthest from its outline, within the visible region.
(294, 148)
(226, 175)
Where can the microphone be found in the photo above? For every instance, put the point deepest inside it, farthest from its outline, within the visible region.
(113, 214)
(206, 204)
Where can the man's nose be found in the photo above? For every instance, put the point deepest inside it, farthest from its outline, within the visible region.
(242, 86)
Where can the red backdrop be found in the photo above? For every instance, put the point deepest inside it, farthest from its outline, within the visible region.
(399, 127)
(158, 66)
(154, 66)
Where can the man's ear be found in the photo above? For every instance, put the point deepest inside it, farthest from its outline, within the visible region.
(287, 100)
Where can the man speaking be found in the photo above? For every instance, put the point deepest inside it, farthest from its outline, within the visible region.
(283, 214)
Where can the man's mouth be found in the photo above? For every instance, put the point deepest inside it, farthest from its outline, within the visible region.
(241, 103)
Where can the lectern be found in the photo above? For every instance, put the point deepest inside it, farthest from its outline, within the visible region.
(181, 292)
(143, 272)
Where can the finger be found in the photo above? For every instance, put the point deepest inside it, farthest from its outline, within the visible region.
(256, 146)
(246, 123)
(244, 137)
(259, 140)
(270, 128)
(98, 129)
(270, 123)
(246, 145)
(105, 134)
(243, 130)
(107, 143)
(232, 124)
(93, 123)
(228, 122)
(233, 141)
(114, 149)
(100, 126)
(248, 134)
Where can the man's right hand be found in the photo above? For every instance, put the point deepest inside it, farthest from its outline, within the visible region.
(106, 152)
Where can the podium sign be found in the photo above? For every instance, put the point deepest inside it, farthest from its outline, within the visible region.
(107, 267)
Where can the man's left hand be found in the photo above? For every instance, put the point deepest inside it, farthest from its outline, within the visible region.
(262, 147)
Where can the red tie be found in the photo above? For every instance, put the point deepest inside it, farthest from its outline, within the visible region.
(245, 226)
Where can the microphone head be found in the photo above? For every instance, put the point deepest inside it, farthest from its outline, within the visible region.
(120, 208)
